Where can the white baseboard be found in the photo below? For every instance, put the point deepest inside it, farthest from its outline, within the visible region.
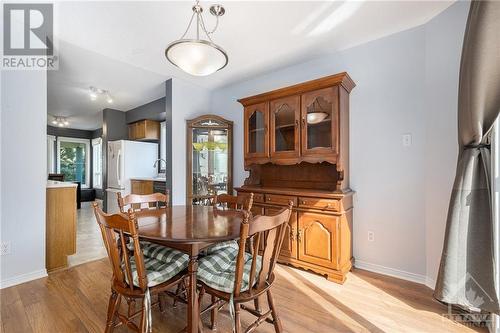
(23, 278)
(431, 283)
(391, 272)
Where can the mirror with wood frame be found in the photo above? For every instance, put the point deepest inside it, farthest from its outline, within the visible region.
(209, 164)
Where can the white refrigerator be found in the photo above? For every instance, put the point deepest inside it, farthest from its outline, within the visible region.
(126, 160)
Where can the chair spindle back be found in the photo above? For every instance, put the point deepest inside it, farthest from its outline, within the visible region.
(142, 201)
(243, 202)
(265, 234)
(115, 230)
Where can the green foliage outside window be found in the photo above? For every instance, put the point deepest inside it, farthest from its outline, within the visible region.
(72, 161)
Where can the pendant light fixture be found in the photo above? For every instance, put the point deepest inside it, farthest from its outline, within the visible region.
(199, 57)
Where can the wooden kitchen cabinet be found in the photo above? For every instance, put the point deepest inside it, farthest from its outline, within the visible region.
(141, 186)
(297, 149)
(147, 130)
(60, 232)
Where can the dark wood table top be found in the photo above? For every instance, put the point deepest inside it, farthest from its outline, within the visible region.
(189, 224)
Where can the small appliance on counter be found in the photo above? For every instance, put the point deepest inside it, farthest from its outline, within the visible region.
(127, 159)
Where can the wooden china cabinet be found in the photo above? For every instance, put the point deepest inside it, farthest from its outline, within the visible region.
(296, 142)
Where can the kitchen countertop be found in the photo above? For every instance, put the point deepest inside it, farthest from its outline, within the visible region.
(57, 184)
(154, 179)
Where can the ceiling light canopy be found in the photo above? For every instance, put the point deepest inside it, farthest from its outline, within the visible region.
(199, 57)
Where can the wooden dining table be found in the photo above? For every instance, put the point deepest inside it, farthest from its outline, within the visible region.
(189, 229)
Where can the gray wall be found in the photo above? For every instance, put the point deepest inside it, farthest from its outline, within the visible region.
(154, 110)
(69, 132)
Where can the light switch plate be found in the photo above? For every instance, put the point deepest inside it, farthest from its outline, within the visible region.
(407, 140)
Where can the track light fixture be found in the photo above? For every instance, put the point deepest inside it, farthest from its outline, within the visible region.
(95, 92)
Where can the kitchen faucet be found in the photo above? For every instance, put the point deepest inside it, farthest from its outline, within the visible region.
(159, 160)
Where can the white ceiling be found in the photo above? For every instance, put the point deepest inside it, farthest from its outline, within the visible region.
(120, 46)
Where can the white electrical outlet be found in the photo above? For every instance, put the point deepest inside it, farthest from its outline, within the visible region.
(371, 236)
(5, 248)
(407, 140)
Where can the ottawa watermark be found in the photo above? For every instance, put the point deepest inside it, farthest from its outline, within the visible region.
(473, 296)
(28, 37)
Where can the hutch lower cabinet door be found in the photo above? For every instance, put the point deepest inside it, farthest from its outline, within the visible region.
(317, 237)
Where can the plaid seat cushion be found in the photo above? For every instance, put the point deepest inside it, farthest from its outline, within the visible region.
(217, 270)
(165, 254)
(157, 271)
(219, 246)
(130, 244)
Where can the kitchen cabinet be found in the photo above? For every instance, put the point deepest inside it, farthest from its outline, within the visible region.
(147, 130)
(141, 186)
(60, 230)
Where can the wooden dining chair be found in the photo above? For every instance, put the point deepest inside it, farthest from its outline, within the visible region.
(142, 201)
(234, 202)
(226, 201)
(237, 276)
(134, 275)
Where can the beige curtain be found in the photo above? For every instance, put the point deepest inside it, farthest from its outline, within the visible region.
(467, 271)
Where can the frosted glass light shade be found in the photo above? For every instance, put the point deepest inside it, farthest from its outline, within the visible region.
(196, 57)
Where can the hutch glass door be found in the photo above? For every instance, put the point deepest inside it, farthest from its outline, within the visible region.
(319, 122)
(285, 115)
(256, 131)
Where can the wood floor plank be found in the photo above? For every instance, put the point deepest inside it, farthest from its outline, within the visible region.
(75, 300)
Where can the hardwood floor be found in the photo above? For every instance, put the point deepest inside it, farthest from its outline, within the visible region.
(89, 244)
(76, 300)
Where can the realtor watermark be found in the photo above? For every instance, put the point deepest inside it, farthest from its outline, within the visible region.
(28, 36)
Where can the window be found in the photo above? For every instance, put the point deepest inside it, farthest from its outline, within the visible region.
(73, 159)
(97, 163)
(51, 143)
(163, 145)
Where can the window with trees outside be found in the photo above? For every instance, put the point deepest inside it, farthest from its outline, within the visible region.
(73, 159)
(97, 163)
